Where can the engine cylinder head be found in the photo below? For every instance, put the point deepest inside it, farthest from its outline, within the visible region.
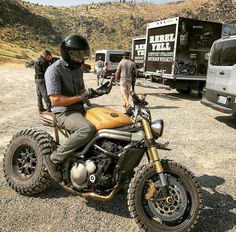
(90, 166)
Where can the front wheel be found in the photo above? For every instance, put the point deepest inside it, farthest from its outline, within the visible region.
(24, 165)
(151, 212)
(192, 69)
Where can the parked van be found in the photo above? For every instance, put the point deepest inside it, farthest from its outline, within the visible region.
(220, 90)
(111, 59)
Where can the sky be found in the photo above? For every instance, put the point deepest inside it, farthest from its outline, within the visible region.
(79, 2)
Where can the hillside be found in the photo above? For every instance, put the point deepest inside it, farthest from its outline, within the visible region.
(26, 29)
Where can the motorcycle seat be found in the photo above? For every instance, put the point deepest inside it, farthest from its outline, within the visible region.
(47, 118)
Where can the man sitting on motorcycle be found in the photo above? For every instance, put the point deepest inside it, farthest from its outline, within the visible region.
(64, 82)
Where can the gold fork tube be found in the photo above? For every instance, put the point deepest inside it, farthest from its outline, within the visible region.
(152, 150)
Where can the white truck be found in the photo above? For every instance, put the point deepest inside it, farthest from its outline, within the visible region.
(177, 52)
(111, 59)
(220, 90)
(138, 51)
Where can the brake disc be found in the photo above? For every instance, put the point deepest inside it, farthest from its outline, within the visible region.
(170, 211)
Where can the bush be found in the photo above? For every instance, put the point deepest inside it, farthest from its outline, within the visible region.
(24, 55)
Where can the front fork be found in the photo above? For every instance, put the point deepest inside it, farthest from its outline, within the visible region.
(153, 156)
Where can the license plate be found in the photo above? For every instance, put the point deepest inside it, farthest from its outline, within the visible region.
(222, 99)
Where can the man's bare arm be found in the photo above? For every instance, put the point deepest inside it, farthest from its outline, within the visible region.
(117, 73)
(61, 100)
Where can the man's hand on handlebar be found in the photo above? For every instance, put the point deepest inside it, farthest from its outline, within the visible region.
(89, 93)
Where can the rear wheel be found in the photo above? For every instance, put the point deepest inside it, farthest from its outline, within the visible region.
(176, 70)
(153, 213)
(23, 164)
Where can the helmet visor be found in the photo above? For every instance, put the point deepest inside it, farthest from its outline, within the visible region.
(79, 55)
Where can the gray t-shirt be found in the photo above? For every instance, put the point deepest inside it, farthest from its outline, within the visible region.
(60, 80)
(126, 68)
(99, 65)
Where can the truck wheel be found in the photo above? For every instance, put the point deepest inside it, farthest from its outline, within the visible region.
(23, 162)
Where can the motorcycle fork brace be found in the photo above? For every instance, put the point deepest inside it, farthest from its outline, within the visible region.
(153, 156)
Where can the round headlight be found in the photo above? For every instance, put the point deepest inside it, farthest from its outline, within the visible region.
(157, 128)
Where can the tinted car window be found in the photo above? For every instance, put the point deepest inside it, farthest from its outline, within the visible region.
(102, 55)
(228, 54)
(116, 58)
(216, 53)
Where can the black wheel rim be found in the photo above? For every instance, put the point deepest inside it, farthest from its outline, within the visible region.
(24, 161)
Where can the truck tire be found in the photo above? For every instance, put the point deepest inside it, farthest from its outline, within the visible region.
(23, 163)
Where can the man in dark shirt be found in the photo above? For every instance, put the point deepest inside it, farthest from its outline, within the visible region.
(65, 87)
(40, 68)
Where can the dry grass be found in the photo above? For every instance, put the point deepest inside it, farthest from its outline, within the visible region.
(106, 25)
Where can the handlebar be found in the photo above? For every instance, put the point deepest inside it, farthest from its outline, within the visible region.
(138, 101)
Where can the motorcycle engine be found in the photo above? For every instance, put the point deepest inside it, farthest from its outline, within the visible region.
(95, 172)
(80, 171)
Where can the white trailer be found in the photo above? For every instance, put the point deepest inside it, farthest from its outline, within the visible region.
(177, 52)
(138, 51)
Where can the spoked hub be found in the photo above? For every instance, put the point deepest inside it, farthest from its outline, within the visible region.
(24, 161)
(172, 208)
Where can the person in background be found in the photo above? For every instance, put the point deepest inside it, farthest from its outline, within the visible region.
(66, 90)
(125, 71)
(41, 66)
(99, 65)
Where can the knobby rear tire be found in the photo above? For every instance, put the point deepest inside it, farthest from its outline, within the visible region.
(23, 163)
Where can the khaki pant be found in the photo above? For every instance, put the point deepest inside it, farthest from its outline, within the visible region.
(81, 133)
(125, 87)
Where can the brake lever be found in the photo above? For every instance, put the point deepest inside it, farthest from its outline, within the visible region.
(163, 146)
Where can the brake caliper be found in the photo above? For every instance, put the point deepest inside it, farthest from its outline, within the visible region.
(150, 191)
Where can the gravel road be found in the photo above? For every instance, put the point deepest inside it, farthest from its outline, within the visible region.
(200, 138)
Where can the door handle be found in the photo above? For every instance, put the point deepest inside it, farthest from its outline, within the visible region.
(222, 73)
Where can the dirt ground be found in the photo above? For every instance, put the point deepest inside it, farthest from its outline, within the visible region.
(200, 138)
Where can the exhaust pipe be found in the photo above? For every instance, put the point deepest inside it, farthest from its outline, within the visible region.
(92, 195)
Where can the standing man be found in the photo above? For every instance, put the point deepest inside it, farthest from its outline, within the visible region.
(99, 69)
(126, 70)
(65, 87)
(40, 68)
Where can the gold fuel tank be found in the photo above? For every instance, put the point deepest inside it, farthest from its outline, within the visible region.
(106, 118)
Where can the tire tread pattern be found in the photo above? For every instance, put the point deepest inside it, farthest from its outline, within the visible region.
(141, 171)
(46, 145)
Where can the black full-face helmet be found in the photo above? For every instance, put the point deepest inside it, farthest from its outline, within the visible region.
(75, 49)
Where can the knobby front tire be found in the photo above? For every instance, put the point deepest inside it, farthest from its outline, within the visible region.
(156, 215)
